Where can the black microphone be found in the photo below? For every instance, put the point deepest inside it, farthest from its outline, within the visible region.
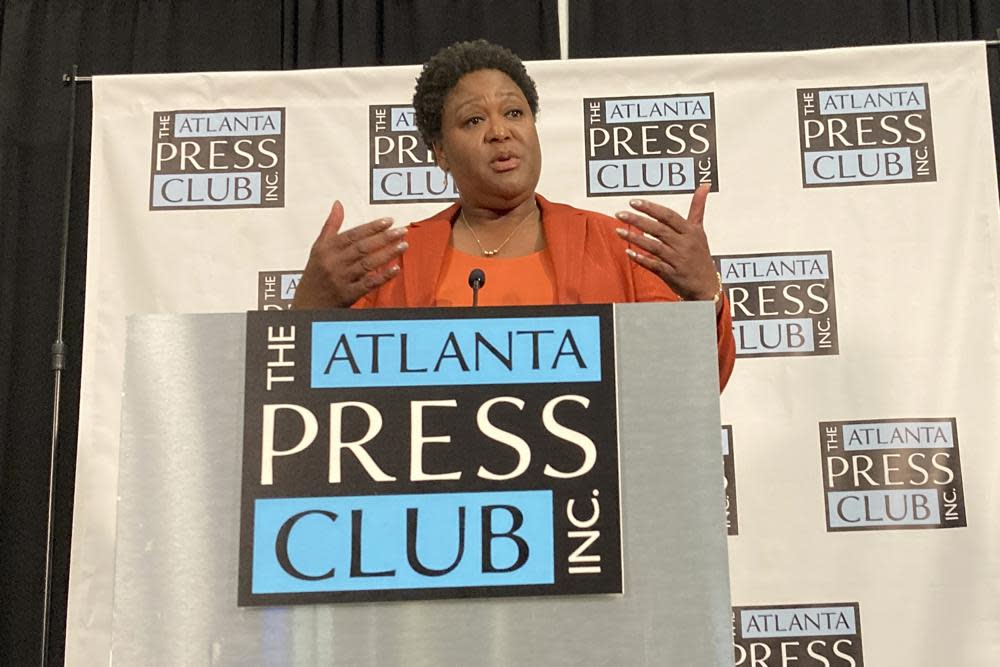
(477, 278)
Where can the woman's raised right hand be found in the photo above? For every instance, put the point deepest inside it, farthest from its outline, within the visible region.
(344, 266)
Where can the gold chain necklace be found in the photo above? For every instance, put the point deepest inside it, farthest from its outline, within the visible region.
(491, 253)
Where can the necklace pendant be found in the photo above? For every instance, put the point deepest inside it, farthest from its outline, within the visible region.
(490, 253)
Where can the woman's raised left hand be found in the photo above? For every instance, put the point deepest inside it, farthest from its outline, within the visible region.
(676, 248)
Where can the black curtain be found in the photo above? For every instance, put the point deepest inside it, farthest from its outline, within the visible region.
(40, 40)
(642, 27)
(353, 33)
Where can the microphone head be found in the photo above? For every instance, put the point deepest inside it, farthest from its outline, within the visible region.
(477, 278)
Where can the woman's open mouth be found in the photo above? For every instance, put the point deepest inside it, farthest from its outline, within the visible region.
(505, 162)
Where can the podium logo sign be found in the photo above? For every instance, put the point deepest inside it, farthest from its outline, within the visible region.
(864, 135)
(782, 303)
(729, 478)
(890, 474)
(276, 289)
(807, 634)
(402, 167)
(222, 158)
(650, 145)
(427, 457)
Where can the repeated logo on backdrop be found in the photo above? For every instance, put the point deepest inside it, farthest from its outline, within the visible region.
(862, 135)
(782, 303)
(729, 473)
(219, 158)
(402, 167)
(276, 289)
(803, 635)
(650, 144)
(885, 474)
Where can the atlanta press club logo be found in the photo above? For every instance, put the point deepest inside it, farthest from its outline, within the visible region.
(782, 303)
(219, 158)
(402, 455)
(804, 635)
(276, 289)
(650, 144)
(885, 474)
(863, 135)
(402, 167)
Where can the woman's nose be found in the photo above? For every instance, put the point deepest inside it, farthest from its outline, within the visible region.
(498, 131)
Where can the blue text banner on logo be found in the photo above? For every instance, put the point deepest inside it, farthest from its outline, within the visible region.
(869, 100)
(289, 282)
(317, 542)
(409, 353)
(228, 123)
(640, 175)
(869, 164)
(771, 336)
(411, 183)
(402, 119)
(899, 435)
(797, 622)
(775, 267)
(898, 507)
(652, 109)
(213, 189)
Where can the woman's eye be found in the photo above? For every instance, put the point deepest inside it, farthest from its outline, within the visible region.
(475, 120)
(515, 113)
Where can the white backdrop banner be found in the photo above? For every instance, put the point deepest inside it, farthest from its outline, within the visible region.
(855, 222)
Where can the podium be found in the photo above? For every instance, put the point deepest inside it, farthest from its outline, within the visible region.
(179, 512)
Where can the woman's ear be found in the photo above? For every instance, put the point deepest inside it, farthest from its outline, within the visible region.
(439, 156)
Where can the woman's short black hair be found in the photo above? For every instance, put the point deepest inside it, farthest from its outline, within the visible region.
(447, 66)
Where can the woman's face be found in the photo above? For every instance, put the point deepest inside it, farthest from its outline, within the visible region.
(488, 141)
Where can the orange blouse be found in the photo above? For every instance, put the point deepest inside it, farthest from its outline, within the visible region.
(510, 281)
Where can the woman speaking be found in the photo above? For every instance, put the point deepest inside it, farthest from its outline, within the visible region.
(475, 108)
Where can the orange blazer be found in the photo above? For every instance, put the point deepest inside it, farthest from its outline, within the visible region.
(588, 258)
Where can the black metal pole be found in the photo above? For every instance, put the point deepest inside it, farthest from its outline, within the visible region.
(58, 364)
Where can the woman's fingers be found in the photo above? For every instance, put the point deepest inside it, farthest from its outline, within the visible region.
(377, 279)
(653, 247)
(376, 260)
(670, 218)
(655, 228)
(362, 233)
(375, 242)
(331, 227)
(696, 213)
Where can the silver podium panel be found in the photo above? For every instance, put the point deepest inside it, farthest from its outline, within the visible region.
(178, 524)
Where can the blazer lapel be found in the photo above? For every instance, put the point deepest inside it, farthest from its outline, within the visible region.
(564, 240)
(422, 269)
